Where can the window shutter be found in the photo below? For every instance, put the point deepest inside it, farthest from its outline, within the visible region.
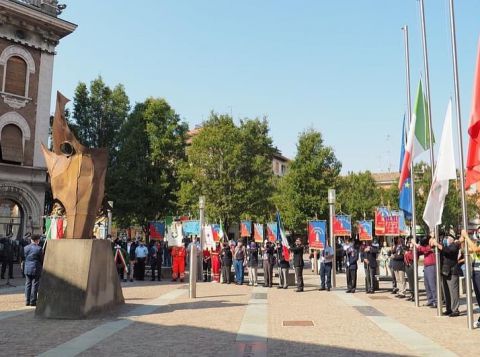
(16, 76)
(11, 144)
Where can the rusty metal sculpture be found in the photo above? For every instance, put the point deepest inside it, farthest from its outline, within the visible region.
(77, 175)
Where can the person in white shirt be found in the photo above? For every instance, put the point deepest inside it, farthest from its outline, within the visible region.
(326, 259)
(141, 253)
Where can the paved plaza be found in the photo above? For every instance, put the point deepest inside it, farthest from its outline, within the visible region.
(159, 319)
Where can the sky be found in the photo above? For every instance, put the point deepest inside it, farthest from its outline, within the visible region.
(334, 66)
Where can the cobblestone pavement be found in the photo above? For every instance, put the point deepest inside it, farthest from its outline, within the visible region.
(208, 326)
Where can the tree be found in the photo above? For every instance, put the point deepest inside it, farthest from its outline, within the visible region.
(151, 146)
(303, 191)
(98, 114)
(358, 195)
(231, 166)
(452, 211)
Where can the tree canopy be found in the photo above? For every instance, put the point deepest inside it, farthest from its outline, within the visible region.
(231, 166)
(303, 191)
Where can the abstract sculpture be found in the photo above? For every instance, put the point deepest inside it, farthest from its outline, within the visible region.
(77, 175)
(79, 274)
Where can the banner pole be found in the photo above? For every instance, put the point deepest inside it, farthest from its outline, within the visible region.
(432, 159)
(412, 175)
(468, 273)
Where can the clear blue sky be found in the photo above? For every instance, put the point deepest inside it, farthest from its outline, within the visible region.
(337, 66)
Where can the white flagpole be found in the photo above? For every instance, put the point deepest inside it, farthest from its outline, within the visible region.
(412, 179)
(432, 158)
(468, 273)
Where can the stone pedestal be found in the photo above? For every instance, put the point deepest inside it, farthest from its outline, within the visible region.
(79, 278)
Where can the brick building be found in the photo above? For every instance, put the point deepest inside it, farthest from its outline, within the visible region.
(29, 32)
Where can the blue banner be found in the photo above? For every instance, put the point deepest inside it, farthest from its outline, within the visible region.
(191, 228)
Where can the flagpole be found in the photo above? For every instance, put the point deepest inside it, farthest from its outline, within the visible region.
(412, 178)
(432, 158)
(468, 273)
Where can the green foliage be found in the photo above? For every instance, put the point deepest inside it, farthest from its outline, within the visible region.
(452, 211)
(151, 146)
(358, 195)
(303, 191)
(98, 114)
(231, 166)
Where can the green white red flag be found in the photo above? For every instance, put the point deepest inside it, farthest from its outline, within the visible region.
(418, 140)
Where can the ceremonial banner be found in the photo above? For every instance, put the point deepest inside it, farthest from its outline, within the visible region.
(364, 229)
(157, 230)
(191, 228)
(380, 214)
(272, 231)
(216, 232)
(175, 234)
(209, 240)
(392, 224)
(317, 234)
(245, 228)
(342, 225)
(258, 232)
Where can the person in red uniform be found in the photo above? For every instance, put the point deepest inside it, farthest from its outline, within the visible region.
(207, 265)
(216, 263)
(178, 263)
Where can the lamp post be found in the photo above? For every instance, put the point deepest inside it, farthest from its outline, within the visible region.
(193, 253)
(331, 204)
(109, 212)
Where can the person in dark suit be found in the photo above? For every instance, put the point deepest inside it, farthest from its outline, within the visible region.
(7, 256)
(132, 269)
(351, 257)
(226, 258)
(33, 270)
(298, 264)
(370, 264)
(450, 273)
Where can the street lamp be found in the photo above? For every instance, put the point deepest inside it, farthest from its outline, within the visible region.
(109, 212)
(331, 204)
(192, 287)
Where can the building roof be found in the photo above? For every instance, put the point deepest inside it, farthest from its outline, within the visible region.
(385, 177)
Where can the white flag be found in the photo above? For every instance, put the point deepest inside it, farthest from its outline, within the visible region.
(444, 172)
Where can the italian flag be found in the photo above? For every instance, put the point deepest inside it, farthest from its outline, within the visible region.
(418, 140)
(54, 227)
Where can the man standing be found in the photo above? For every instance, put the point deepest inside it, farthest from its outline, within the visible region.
(7, 256)
(155, 260)
(33, 270)
(207, 265)
(268, 262)
(226, 259)
(398, 266)
(370, 265)
(351, 269)
(283, 267)
(238, 262)
(178, 263)
(141, 253)
(449, 269)
(132, 271)
(429, 271)
(297, 251)
(326, 260)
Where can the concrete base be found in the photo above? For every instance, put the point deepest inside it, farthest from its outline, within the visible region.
(79, 278)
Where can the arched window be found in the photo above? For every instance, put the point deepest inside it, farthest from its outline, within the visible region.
(11, 144)
(16, 76)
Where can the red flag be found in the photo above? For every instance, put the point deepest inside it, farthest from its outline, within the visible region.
(59, 228)
(473, 158)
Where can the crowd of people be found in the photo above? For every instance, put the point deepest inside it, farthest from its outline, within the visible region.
(133, 257)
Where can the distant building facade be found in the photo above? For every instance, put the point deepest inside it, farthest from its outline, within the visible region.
(29, 33)
(386, 180)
